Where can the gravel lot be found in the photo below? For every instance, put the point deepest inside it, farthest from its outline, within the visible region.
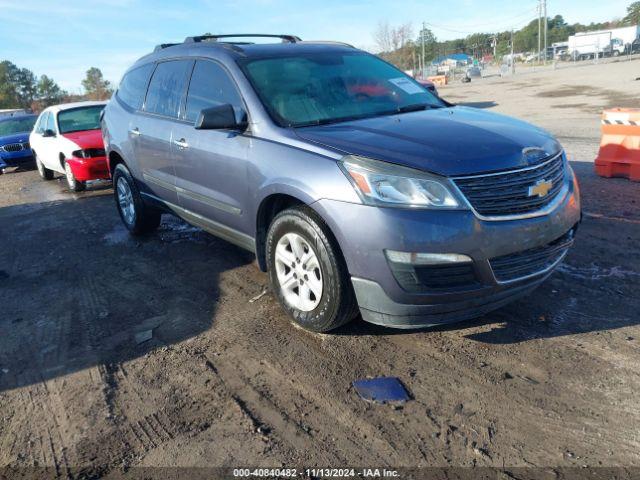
(551, 381)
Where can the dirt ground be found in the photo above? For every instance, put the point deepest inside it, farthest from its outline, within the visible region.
(549, 381)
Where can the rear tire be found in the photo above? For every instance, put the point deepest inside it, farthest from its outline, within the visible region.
(44, 172)
(138, 217)
(307, 272)
(74, 185)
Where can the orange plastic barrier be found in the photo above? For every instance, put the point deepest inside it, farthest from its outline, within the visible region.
(438, 80)
(619, 154)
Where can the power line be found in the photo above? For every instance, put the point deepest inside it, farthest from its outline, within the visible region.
(516, 26)
(504, 22)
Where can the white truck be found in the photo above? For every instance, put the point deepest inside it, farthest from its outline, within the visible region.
(599, 43)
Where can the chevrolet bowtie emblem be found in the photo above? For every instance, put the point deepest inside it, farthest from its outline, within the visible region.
(540, 188)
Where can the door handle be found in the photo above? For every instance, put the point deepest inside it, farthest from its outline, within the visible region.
(135, 131)
(182, 143)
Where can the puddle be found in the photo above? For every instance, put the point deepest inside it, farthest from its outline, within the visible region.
(117, 236)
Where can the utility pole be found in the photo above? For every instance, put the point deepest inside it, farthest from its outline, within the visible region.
(422, 35)
(545, 31)
(539, 31)
(513, 61)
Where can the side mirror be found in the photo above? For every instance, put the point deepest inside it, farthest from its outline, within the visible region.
(222, 117)
(48, 133)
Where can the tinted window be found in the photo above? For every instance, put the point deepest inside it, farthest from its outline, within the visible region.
(78, 119)
(167, 88)
(211, 86)
(51, 122)
(134, 85)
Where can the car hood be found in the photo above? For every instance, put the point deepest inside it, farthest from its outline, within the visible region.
(86, 138)
(446, 141)
(14, 138)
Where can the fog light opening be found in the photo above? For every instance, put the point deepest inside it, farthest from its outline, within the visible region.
(415, 258)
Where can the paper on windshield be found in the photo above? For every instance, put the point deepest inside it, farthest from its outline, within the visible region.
(406, 85)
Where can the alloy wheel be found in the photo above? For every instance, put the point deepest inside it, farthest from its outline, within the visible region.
(125, 201)
(298, 271)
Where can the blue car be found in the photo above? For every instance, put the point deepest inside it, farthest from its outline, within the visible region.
(14, 140)
(357, 188)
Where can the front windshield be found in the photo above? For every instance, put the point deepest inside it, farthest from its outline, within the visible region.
(17, 125)
(320, 88)
(77, 119)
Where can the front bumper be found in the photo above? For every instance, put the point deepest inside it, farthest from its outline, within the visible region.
(364, 232)
(84, 169)
(15, 159)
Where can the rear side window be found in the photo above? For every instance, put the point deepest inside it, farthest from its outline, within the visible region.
(134, 85)
(211, 86)
(167, 87)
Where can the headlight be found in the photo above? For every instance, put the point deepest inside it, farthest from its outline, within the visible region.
(381, 183)
(89, 153)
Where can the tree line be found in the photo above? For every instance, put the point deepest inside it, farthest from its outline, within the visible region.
(399, 46)
(21, 88)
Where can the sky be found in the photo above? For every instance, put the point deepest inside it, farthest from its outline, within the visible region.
(64, 38)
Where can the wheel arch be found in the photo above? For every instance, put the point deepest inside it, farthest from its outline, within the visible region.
(274, 203)
(270, 206)
(114, 158)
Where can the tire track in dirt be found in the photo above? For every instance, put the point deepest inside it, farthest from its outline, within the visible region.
(261, 411)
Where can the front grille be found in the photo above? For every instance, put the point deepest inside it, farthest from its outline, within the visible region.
(508, 193)
(15, 147)
(429, 278)
(530, 262)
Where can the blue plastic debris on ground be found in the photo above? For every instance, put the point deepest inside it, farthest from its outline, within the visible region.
(382, 390)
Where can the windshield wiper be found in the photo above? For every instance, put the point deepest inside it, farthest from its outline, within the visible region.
(327, 121)
(405, 109)
(416, 107)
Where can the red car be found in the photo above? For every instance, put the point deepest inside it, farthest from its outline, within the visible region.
(67, 139)
(368, 91)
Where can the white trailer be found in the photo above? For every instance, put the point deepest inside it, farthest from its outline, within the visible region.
(614, 41)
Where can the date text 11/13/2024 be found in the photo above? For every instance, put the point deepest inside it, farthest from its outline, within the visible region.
(315, 473)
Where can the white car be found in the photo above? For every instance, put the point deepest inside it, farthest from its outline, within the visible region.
(67, 139)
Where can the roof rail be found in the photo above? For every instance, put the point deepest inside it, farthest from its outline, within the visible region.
(200, 38)
(328, 42)
(164, 45)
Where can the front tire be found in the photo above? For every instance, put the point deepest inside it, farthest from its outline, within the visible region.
(307, 272)
(136, 216)
(74, 184)
(44, 172)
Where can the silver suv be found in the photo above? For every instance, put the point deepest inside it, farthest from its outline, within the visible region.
(356, 187)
